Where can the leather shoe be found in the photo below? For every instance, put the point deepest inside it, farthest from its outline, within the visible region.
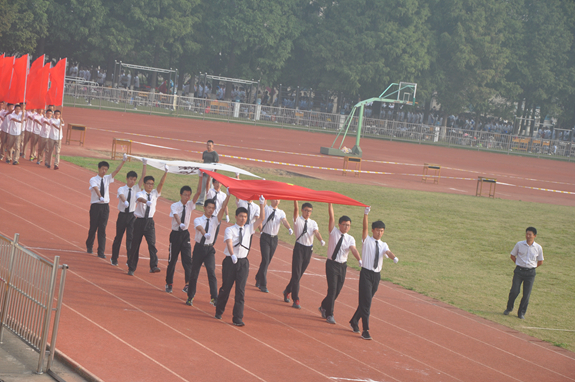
(506, 312)
(354, 327)
(155, 270)
(239, 323)
(130, 273)
(218, 316)
(521, 316)
(264, 289)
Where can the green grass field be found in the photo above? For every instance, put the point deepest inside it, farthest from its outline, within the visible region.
(454, 248)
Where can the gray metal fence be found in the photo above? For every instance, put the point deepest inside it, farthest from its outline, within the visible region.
(77, 94)
(28, 283)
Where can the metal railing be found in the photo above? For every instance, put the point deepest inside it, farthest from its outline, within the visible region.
(207, 109)
(28, 283)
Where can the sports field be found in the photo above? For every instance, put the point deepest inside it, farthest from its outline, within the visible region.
(453, 247)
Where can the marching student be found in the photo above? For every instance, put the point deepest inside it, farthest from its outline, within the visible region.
(339, 246)
(208, 156)
(45, 129)
(218, 196)
(236, 266)
(269, 241)
(305, 230)
(99, 207)
(54, 142)
(144, 224)
(373, 252)
(207, 227)
(250, 206)
(14, 134)
(126, 207)
(6, 110)
(35, 137)
(27, 131)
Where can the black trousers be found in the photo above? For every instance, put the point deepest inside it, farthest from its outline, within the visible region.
(179, 242)
(203, 255)
(335, 275)
(99, 214)
(268, 245)
(300, 260)
(143, 227)
(527, 277)
(368, 284)
(125, 223)
(233, 273)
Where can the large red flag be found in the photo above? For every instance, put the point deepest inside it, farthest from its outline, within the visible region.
(6, 76)
(55, 94)
(252, 189)
(37, 64)
(37, 88)
(17, 92)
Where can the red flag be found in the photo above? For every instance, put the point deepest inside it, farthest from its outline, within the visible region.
(17, 92)
(6, 76)
(37, 88)
(252, 189)
(37, 64)
(55, 94)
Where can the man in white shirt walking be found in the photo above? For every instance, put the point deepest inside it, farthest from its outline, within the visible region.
(44, 136)
(99, 207)
(144, 224)
(338, 248)
(527, 256)
(235, 267)
(305, 230)
(54, 142)
(13, 123)
(373, 252)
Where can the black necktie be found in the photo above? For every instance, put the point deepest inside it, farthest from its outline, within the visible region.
(207, 229)
(147, 208)
(127, 209)
(376, 261)
(337, 247)
(249, 212)
(303, 232)
(183, 219)
(216, 200)
(271, 217)
(102, 189)
(241, 239)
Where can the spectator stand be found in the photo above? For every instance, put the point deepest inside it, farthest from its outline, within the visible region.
(166, 99)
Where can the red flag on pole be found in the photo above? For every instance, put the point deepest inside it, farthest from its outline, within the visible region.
(17, 92)
(6, 77)
(37, 64)
(37, 88)
(55, 94)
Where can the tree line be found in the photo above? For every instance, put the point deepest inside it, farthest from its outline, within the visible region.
(505, 58)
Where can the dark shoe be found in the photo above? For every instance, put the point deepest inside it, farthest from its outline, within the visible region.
(168, 288)
(330, 320)
(365, 335)
(114, 263)
(521, 316)
(56, 168)
(130, 273)
(507, 311)
(322, 311)
(354, 327)
(238, 323)
(16, 163)
(89, 250)
(286, 296)
(214, 301)
(101, 256)
(296, 304)
(264, 289)
(218, 316)
(257, 284)
(185, 290)
(8, 161)
(155, 270)
(190, 302)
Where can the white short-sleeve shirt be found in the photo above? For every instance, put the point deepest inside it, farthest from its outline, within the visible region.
(30, 121)
(241, 249)
(305, 238)
(37, 123)
(177, 209)
(254, 209)
(45, 130)
(124, 190)
(96, 182)
(368, 253)
(272, 227)
(219, 197)
(14, 123)
(527, 255)
(56, 133)
(347, 242)
(140, 210)
(201, 222)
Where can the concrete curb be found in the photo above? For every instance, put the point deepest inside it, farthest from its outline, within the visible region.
(76, 367)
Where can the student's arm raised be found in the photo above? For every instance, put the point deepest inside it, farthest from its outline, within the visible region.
(117, 170)
(365, 223)
(331, 218)
(295, 210)
(161, 185)
(262, 212)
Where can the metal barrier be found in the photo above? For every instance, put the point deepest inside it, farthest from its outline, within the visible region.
(28, 283)
(77, 94)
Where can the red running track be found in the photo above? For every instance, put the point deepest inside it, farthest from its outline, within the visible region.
(124, 328)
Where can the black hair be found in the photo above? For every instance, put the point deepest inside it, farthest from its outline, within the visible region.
(344, 218)
(209, 201)
(241, 210)
(103, 164)
(532, 229)
(149, 177)
(377, 224)
(48, 110)
(185, 188)
(131, 174)
(9, 104)
(57, 111)
(210, 141)
(306, 205)
(17, 105)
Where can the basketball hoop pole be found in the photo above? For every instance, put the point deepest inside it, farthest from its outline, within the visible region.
(384, 97)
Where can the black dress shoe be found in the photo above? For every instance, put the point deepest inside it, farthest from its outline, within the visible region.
(521, 316)
(101, 256)
(238, 323)
(89, 250)
(155, 270)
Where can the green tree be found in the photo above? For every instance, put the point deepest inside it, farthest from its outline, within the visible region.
(23, 23)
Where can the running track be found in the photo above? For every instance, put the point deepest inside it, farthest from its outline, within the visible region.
(124, 328)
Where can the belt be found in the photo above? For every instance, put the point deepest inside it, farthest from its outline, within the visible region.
(263, 233)
(303, 245)
(525, 269)
(205, 245)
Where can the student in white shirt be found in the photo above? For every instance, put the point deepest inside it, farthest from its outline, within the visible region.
(269, 241)
(27, 131)
(527, 256)
(305, 230)
(54, 142)
(44, 135)
(338, 248)
(35, 138)
(373, 252)
(126, 207)
(218, 197)
(235, 267)
(13, 123)
(99, 206)
(207, 227)
(144, 225)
